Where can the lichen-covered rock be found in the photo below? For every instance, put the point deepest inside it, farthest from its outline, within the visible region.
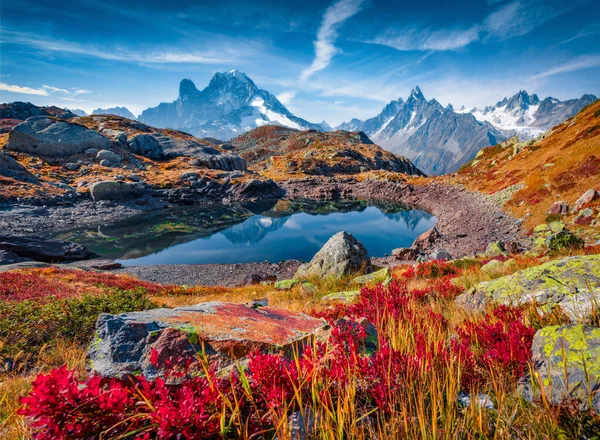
(374, 277)
(495, 249)
(566, 362)
(572, 283)
(43, 136)
(227, 332)
(341, 255)
(346, 297)
(146, 145)
(492, 267)
(286, 284)
(113, 190)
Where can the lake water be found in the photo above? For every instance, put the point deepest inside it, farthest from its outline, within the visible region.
(252, 233)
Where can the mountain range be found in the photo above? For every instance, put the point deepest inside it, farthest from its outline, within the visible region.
(440, 139)
(230, 105)
(119, 111)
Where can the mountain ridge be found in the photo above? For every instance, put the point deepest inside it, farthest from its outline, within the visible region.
(230, 105)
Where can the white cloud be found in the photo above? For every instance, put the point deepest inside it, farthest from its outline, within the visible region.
(579, 63)
(335, 15)
(77, 91)
(24, 90)
(428, 39)
(47, 44)
(55, 89)
(286, 97)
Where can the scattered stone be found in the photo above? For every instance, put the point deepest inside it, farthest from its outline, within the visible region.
(107, 163)
(493, 267)
(123, 343)
(72, 166)
(495, 249)
(286, 284)
(146, 145)
(483, 401)
(374, 277)
(341, 255)
(41, 249)
(571, 283)
(134, 177)
(440, 254)
(9, 167)
(410, 253)
(347, 297)
(559, 208)
(556, 227)
(258, 278)
(109, 155)
(426, 239)
(112, 190)
(587, 197)
(567, 366)
(188, 176)
(43, 136)
(91, 151)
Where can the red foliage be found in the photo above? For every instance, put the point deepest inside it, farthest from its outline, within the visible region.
(500, 340)
(63, 283)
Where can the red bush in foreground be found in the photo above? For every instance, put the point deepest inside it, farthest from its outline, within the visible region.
(251, 402)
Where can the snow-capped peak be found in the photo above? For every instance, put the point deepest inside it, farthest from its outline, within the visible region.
(417, 94)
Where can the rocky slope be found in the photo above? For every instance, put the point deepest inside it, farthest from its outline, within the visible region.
(48, 161)
(281, 153)
(230, 105)
(14, 113)
(527, 178)
(439, 140)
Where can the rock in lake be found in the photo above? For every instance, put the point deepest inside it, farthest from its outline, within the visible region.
(112, 190)
(43, 136)
(572, 283)
(341, 255)
(566, 355)
(123, 343)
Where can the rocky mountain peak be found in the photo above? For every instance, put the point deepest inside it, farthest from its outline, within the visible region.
(416, 94)
(187, 88)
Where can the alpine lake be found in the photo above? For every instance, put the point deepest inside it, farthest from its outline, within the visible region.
(266, 231)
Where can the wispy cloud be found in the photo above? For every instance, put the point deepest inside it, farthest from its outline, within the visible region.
(579, 63)
(55, 89)
(25, 90)
(428, 39)
(77, 91)
(507, 20)
(160, 56)
(335, 15)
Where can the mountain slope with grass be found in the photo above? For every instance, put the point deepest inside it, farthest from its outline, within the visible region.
(527, 178)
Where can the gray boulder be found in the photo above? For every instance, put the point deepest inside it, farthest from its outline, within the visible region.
(566, 362)
(123, 343)
(41, 249)
(116, 135)
(108, 155)
(146, 145)
(112, 190)
(341, 255)
(9, 167)
(42, 136)
(572, 283)
(440, 254)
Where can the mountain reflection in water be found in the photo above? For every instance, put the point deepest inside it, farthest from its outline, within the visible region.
(287, 229)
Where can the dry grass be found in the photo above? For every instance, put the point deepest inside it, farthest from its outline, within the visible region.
(15, 385)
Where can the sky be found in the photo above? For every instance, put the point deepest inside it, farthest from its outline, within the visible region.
(324, 60)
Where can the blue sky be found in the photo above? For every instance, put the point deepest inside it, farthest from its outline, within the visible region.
(324, 60)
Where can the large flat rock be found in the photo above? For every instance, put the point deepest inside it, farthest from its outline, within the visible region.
(226, 332)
